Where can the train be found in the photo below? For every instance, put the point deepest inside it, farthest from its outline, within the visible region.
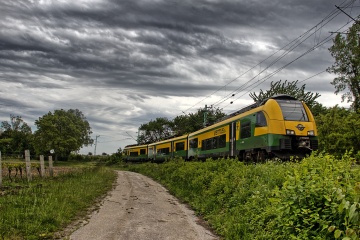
(279, 127)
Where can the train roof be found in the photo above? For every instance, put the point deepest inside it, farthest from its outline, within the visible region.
(257, 104)
(229, 117)
(169, 140)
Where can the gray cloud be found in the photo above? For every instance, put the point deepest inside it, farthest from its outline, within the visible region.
(126, 62)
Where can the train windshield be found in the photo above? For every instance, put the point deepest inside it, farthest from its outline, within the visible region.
(293, 110)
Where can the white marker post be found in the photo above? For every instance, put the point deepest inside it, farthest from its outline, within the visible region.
(51, 167)
(42, 166)
(28, 165)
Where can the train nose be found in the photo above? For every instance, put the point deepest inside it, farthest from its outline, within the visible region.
(304, 142)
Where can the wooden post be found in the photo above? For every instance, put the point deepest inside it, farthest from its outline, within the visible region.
(51, 167)
(42, 166)
(28, 165)
(0, 171)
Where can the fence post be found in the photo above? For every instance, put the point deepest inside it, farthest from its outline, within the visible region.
(51, 167)
(28, 164)
(0, 171)
(42, 166)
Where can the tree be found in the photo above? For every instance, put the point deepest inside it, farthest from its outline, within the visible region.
(15, 136)
(346, 51)
(62, 131)
(155, 130)
(192, 122)
(339, 131)
(289, 88)
(162, 128)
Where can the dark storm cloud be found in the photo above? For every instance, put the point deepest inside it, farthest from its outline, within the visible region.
(72, 38)
(112, 58)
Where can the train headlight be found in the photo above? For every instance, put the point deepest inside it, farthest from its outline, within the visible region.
(290, 132)
(311, 133)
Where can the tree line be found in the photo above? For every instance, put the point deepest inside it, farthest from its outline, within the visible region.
(58, 133)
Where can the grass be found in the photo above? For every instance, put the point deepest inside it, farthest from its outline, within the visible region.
(247, 201)
(37, 209)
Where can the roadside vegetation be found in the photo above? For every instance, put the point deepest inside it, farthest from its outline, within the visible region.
(37, 209)
(317, 198)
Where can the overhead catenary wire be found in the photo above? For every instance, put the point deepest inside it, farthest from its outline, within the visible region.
(297, 42)
(288, 47)
(284, 66)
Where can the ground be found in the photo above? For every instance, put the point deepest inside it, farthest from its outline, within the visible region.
(140, 208)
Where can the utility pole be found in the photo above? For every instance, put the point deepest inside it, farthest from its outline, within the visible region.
(96, 144)
(205, 115)
(356, 21)
(347, 14)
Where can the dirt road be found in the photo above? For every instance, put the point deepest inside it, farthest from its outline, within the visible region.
(141, 209)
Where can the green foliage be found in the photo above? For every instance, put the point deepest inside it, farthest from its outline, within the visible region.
(37, 209)
(15, 136)
(192, 122)
(18, 168)
(346, 51)
(231, 195)
(319, 200)
(63, 131)
(112, 159)
(339, 131)
(162, 128)
(289, 88)
(155, 130)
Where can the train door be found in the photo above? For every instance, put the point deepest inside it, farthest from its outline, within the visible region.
(232, 139)
(155, 153)
(150, 152)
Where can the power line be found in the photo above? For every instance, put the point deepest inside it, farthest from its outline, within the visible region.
(284, 66)
(290, 47)
(279, 69)
(312, 76)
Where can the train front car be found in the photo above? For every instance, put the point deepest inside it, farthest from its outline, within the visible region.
(291, 127)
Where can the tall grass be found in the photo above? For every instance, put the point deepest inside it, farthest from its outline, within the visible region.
(37, 209)
(247, 201)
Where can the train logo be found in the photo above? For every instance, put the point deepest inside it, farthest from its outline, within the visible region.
(300, 127)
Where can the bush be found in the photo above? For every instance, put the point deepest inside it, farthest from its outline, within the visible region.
(231, 195)
(319, 200)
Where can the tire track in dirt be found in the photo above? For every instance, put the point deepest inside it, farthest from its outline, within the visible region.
(140, 208)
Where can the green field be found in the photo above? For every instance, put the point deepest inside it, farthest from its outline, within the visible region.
(43, 206)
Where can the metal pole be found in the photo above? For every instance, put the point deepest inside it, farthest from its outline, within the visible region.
(96, 143)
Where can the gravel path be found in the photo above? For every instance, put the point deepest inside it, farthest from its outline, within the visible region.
(141, 209)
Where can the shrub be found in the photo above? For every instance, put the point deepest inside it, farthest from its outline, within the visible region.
(319, 200)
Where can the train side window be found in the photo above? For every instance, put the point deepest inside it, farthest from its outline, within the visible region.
(260, 119)
(245, 130)
(214, 142)
(193, 143)
(208, 144)
(222, 141)
(134, 154)
(163, 151)
(203, 145)
(180, 146)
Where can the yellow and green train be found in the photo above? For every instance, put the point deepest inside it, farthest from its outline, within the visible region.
(280, 126)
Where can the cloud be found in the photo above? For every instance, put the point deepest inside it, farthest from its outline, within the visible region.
(123, 63)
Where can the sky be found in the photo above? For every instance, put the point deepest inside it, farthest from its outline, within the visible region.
(123, 63)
